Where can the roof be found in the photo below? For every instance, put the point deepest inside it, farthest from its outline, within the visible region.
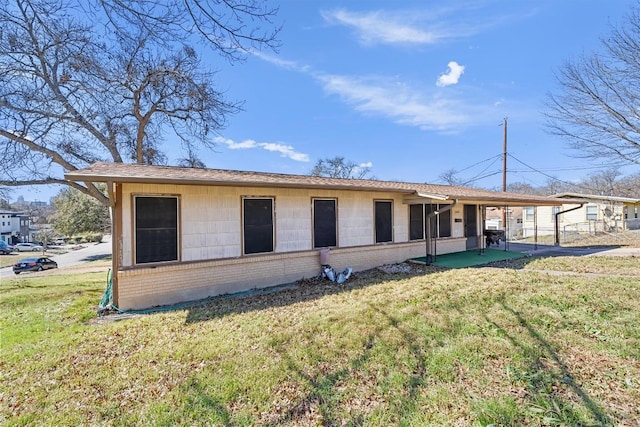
(596, 197)
(134, 173)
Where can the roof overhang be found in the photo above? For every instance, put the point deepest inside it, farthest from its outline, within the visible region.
(411, 192)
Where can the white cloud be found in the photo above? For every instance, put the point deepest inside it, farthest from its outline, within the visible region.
(379, 26)
(417, 26)
(452, 76)
(366, 165)
(232, 145)
(285, 150)
(401, 103)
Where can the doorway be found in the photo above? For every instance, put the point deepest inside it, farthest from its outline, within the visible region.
(471, 226)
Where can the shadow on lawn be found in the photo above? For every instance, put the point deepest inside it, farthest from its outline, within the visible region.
(324, 392)
(281, 296)
(543, 378)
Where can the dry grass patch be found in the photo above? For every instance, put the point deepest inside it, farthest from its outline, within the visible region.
(465, 347)
(623, 266)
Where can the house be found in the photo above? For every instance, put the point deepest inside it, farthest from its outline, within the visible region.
(595, 214)
(183, 234)
(513, 217)
(14, 227)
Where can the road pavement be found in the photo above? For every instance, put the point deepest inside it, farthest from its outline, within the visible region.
(88, 252)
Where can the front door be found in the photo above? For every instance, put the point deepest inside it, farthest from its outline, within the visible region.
(471, 225)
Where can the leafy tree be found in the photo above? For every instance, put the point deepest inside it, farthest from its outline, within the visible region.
(106, 80)
(596, 108)
(338, 167)
(78, 213)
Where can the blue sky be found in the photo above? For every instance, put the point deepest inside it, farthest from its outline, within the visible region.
(410, 88)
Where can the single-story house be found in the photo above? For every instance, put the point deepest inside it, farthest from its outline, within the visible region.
(182, 234)
(596, 213)
(512, 218)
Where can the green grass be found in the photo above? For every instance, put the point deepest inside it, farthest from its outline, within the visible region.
(457, 347)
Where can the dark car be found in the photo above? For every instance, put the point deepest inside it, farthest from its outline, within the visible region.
(5, 249)
(34, 264)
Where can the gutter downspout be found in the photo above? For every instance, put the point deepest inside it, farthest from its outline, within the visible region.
(427, 258)
(557, 221)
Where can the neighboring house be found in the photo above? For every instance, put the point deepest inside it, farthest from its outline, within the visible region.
(14, 227)
(596, 214)
(513, 229)
(183, 234)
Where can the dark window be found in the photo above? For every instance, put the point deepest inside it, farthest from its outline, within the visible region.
(258, 225)
(416, 222)
(156, 231)
(444, 223)
(433, 221)
(441, 223)
(384, 221)
(324, 223)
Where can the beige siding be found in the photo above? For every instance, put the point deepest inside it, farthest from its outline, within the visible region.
(210, 229)
(147, 287)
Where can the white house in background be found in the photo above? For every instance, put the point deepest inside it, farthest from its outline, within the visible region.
(183, 234)
(596, 214)
(14, 227)
(513, 229)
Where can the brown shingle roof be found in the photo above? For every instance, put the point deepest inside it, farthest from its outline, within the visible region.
(133, 173)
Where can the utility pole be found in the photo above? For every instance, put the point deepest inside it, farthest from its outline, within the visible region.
(504, 158)
(504, 179)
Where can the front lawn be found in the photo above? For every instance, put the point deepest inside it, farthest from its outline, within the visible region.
(475, 346)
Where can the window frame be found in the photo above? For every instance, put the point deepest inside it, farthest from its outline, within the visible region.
(244, 224)
(315, 225)
(554, 211)
(436, 221)
(136, 237)
(588, 214)
(377, 238)
(529, 213)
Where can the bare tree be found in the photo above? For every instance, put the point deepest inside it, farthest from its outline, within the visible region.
(450, 177)
(596, 109)
(338, 167)
(231, 27)
(72, 93)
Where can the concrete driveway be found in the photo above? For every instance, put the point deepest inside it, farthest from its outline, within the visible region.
(550, 250)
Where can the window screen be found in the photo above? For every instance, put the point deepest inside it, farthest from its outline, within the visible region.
(444, 223)
(592, 213)
(258, 225)
(156, 231)
(416, 223)
(441, 223)
(324, 223)
(383, 222)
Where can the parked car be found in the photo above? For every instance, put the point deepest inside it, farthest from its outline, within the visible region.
(34, 264)
(27, 247)
(5, 249)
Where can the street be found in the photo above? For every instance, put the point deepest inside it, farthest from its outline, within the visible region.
(90, 252)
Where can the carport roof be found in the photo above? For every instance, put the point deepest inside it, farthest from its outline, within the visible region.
(133, 173)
